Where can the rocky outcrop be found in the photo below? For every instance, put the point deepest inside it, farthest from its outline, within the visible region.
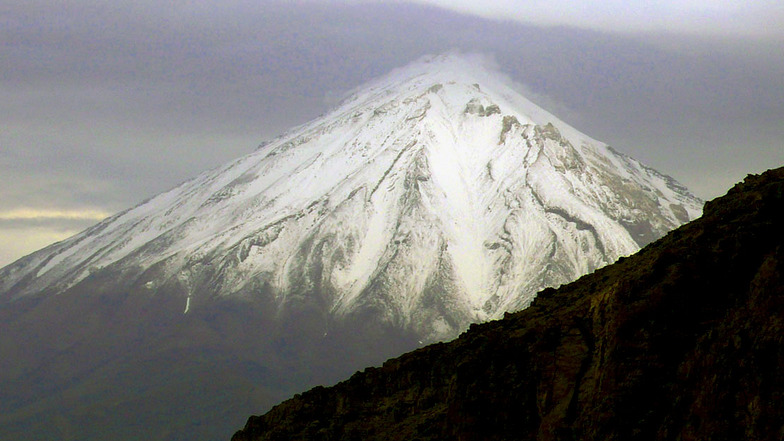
(682, 341)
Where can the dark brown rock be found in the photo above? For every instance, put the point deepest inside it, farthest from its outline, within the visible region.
(682, 341)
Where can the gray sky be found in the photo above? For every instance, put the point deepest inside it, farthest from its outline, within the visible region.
(757, 18)
(105, 104)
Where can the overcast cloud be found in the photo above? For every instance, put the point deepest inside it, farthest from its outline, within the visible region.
(105, 104)
(759, 18)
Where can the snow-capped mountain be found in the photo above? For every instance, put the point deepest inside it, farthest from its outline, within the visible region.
(437, 195)
(431, 198)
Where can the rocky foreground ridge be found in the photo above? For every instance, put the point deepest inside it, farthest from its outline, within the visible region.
(683, 340)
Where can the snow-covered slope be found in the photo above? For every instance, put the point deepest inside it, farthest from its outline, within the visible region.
(431, 198)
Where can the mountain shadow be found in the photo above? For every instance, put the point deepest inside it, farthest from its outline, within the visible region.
(681, 341)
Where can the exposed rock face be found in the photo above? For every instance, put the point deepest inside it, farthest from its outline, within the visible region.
(682, 341)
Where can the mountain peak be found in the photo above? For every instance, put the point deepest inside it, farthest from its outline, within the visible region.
(434, 197)
(438, 190)
(458, 77)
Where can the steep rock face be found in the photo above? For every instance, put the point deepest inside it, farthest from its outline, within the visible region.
(432, 198)
(680, 341)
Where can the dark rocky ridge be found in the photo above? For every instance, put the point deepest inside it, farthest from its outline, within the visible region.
(682, 341)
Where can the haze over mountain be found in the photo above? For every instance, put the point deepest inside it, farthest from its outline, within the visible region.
(432, 198)
(682, 340)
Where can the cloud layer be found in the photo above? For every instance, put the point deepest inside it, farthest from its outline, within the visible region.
(759, 19)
